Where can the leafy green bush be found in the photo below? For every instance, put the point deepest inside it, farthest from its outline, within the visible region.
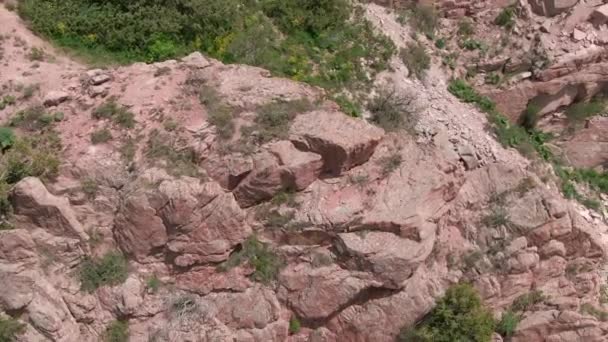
(583, 110)
(472, 44)
(508, 323)
(153, 284)
(101, 136)
(530, 116)
(265, 262)
(117, 331)
(90, 187)
(119, 114)
(440, 43)
(528, 300)
(36, 156)
(111, 269)
(392, 111)
(7, 138)
(294, 325)
(458, 316)
(416, 59)
(492, 78)
(506, 18)
(9, 329)
(320, 42)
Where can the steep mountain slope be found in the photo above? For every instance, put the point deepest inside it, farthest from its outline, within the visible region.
(251, 208)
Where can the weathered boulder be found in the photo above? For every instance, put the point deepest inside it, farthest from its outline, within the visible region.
(55, 97)
(39, 208)
(342, 141)
(551, 8)
(304, 167)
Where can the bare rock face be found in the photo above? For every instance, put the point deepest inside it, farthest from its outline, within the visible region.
(195, 221)
(282, 167)
(54, 98)
(318, 293)
(550, 8)
(343, 142)
(39, 208)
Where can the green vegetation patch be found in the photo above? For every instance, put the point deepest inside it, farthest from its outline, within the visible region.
(117, 331)
(111, 269)
(10, 329)
(458, 316)
(264, 261)
(320, 42)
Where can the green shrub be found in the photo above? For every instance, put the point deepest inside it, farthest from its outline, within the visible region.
(472, 44)
(7, 138)
(416, 59)
(29, 91)
(465, 28)
(583, 110)
(530, 116)
(458, 316)
(392, 111)
(496, 218)
(101, 136)
(528, 300)
(508, 323)
(10, 329)
(294, 325)
(117, 331)
(119, 114)
(349, 107)
(33, 118)
(274, 119)
(35, 155)
(492, 78)
(440, 43)
(111, 269)
(506, 18)
(264, 261)
(153, 284)
(90, 187)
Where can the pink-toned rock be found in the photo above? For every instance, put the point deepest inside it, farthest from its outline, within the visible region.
(229, 170)
(600, 15)
(17, 246)
(204, 280)
(551, 7)
(16, 292)
(265, 180)
(54, 98)
(344, 142)
(39, 208)
(317, 293)
(304, 167)
(552, 248)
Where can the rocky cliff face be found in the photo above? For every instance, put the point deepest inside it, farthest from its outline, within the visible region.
(347, 229)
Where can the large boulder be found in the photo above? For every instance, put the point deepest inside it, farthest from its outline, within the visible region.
(281, 167)
(343, 141)
(551, 8)
(37, 207)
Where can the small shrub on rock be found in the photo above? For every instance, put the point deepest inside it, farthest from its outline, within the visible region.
(528, 300)
(101, 136)
(458, 316)
(117, 331)
(294, 325)
(119, 114)
(393, 111)
(265, 262)
(10, 329)
(508, 323)
(506, 18)
(111, 269)
(416, 59)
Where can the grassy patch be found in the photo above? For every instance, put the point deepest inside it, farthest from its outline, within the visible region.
(589, 309)
(101, 136)
(528, 300)
(10, 329)
(119, 114)
(179, 161)
(294, 325)
(117, 331)
(508, 323)
(90, 187)
(580, 111)
(36, 54)
(153, 284)
(416, 59)
(111, 269)
(264, 261)
(34, 118)
(506, 18)
(465, 27)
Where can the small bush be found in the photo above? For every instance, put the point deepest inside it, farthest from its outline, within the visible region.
(440, 43)
(265, 262)
(294, 325)
(393, 111)
(90, 187)
(185, 305)
(36, 54)
(36, 156)
(508, 323)
(10, 329)
(120, 115)
(424, 19)
(349, 107)
(506, 18)
(29, 91)
(472, 44)
(101, 136)
(273, 120)
(416, 59)
(111, 269)
(153, 284)
(583, 110)
(390, 163)
(589, 309)
(492, 78)
(458, 316)
(465, 28)
(528, 300)
(530, 116)
(7, 138)
(32, 118)
(498, 217)
(117, 331)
